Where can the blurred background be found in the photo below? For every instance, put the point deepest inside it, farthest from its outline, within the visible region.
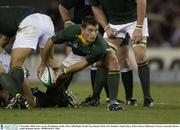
(163, 43)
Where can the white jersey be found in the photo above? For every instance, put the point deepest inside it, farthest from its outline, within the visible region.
(5, 61)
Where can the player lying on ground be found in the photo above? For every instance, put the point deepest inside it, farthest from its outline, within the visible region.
(40, 100)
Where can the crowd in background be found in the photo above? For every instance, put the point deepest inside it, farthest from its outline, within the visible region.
(163, 15)
(164, 23)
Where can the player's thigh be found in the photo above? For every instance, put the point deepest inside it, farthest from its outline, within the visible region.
(114, 43)
(18, 56)
(123, 56)
(110, 61)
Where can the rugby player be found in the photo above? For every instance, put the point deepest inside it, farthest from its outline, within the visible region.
(122, 17)
(29, 26)
(86, 42)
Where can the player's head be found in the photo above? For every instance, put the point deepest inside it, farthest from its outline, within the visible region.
(89, 29)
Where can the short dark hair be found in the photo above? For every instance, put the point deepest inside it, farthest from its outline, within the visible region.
(88, 20)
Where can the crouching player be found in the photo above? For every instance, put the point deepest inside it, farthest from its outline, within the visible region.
(85, 41)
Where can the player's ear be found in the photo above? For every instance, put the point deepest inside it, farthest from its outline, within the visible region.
(82, 29)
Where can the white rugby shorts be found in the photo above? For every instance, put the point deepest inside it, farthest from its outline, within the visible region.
(33, 30)
(72, 59)
(5, 62)
(123, 29)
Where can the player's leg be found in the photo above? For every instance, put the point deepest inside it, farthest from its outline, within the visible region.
(142, 61)
(143, 71)
(8, 83)
(18, 57)
(126, 73)
(99, 82)
(111, 63)
(93, 75)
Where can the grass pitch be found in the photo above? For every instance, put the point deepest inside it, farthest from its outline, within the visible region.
(166, 109)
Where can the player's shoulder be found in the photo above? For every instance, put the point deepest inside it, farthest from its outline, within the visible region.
(73, 29)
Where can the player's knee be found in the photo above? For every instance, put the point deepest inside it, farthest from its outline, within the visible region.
(123, 61)
(140, 54)
(17, 73)
(112, 62)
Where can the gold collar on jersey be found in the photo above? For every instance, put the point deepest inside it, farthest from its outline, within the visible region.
(83, 40)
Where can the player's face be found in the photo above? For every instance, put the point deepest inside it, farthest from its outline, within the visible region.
(90, 33)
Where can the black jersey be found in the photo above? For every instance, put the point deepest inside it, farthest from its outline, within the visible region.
(11, 17)
(81, 8)
(118, 11)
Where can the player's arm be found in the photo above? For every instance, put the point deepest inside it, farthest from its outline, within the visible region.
(59, 38)
(64, 9)
(99, 15)
(4, 41)
(74, 68)
(50, 60)
(96, 54)
(141, 11)
(45, 53)
(102, 20)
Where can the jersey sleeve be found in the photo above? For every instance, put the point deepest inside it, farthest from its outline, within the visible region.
(98, 50)
(68, 4)
(66, 35)
(60, 37)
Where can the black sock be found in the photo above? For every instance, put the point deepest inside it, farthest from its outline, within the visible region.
(100, 80)
(9, 84)
(113, 83)
(93, 76)
(106, 88)
(144, 75)
(68, 80)
(17, 74)
(127, 79)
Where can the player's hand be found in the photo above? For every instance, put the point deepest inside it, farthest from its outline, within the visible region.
(68, 23)
(137, 35)
(60, 73)
(40, 70)
(111, 33)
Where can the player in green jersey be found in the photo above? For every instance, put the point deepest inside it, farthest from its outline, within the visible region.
(86, 42)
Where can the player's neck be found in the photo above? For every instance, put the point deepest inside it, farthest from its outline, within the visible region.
(83, 40)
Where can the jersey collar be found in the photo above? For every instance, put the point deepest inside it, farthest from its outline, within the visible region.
(84, 42)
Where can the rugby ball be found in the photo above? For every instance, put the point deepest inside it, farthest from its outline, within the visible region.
(47, 77)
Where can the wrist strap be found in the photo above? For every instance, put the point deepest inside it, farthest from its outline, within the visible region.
(63, 71)
(139, 26)
(67, 20)
(106, 28)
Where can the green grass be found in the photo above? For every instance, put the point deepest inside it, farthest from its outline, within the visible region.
(166, 110)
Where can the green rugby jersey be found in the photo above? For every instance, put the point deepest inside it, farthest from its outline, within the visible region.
(92, 52)
(118, 11)
(11, 17)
